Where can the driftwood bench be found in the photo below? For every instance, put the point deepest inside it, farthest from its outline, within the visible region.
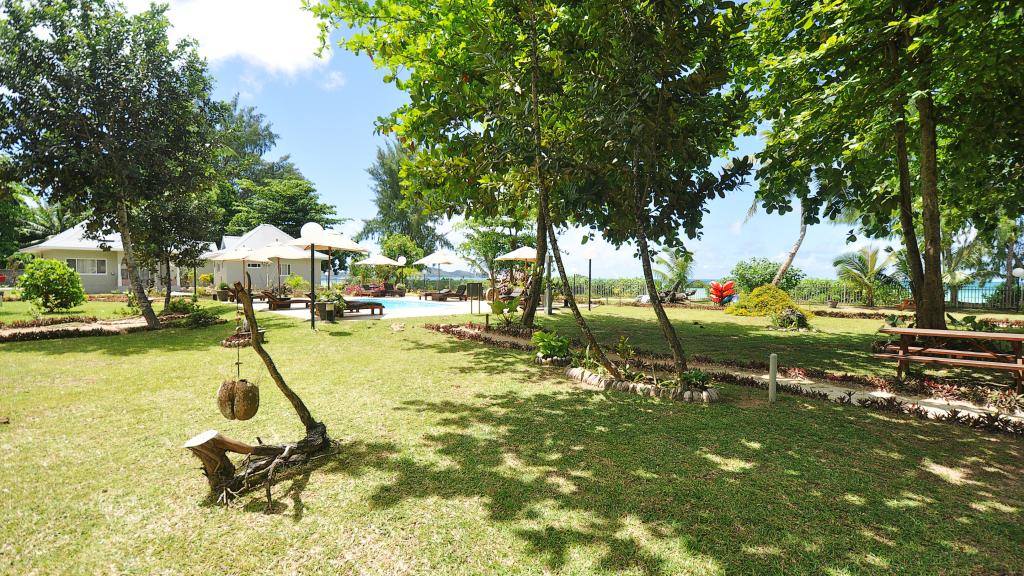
(934, 349)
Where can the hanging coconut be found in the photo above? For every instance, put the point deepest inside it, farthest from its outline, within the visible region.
(238, 399)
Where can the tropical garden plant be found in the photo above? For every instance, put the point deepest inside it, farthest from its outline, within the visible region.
(51, 284)
(865, 269)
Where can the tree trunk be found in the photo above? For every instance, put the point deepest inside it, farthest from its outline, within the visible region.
(792, 253)
(931, 313)
(581, 322)
(533, 297)
(167, 284)
(906, 194)
(667, 330)
(133, 272)
(1010, 281)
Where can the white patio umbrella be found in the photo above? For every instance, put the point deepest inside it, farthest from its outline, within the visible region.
(436, 259)
(242, 255)
(313, 237)
(379, 260)
(278, 251)
(522, 254)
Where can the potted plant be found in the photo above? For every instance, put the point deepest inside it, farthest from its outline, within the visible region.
(222, 292)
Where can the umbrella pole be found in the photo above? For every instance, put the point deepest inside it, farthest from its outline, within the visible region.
(279, 277)
(312, 290)
(330, 267)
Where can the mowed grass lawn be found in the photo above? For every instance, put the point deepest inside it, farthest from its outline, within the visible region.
(459, 459)
(22, 310)
(836, 344)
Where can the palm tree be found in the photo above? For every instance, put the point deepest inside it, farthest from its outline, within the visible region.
(864, 269)
(44, 219)
(676, 264)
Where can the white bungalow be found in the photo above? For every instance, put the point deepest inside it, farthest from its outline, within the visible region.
(261, 274)
(101, 265)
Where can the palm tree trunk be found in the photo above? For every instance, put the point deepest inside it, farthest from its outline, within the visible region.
(792, 253)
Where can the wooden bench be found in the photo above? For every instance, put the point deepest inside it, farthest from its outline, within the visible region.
(908, 351)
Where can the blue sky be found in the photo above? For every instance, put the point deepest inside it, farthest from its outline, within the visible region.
(324, 111)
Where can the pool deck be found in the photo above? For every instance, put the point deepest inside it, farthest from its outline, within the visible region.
(451, 308)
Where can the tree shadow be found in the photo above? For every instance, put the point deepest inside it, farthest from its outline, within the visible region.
(170, 339)
(643, 481)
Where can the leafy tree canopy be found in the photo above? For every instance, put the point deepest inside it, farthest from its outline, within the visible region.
(754, 272)
(398, 213)
(287, 203)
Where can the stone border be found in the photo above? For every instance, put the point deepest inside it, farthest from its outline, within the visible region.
(554, 361)
(678, 394)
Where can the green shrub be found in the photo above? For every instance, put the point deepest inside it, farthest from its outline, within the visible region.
(695, 379)
(551, 345)
(764, 301)
(297, 283)
(180, 306)
(51, 284)
(201, 317)
(789, 318)
(206, 279)
(507, 311)
(754, 272)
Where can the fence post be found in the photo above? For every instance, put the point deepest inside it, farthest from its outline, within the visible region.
(773, 368)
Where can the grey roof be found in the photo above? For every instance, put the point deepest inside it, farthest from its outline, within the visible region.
(75, 239)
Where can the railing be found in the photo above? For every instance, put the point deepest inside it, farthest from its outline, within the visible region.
(990, 296)
(10, 277)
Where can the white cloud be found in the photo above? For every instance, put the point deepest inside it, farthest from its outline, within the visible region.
(333, 80)
(736, 227)
(275, 35)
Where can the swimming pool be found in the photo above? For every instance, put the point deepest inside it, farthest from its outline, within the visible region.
(413, 307)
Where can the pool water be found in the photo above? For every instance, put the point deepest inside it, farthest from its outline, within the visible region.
(413, 306)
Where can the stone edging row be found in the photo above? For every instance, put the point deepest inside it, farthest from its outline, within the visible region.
(678, 394)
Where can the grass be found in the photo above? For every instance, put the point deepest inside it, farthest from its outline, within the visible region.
(21, 310)
(837, 344)
(460, 459)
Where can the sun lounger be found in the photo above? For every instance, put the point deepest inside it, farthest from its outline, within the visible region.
(358, 306)
(279, 303)
(459, 293)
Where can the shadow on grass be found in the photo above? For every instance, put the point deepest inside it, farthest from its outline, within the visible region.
(662, 488)
(836, 351)
(171, 339)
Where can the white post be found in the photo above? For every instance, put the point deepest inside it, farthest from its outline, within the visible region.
(118, 264)
(773, 368)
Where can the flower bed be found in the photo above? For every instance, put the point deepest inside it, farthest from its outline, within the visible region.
(40, 322)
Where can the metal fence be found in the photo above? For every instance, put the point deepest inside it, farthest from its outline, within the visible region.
(974, 296)
(991, 296)
(10, 277)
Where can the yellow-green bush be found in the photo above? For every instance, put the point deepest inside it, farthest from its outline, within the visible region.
(765, 300)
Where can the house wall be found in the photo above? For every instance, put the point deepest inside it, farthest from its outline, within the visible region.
(264, 276)
(91, 283)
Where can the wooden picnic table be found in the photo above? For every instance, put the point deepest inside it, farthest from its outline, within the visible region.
(937, 352)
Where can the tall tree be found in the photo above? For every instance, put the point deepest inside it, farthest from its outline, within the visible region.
(482, 82)
(486, 239)
(287, 203)
(654, 110)
(398, 213)
(43, 219)
(100, 110)
(821, 70)
(175, 230)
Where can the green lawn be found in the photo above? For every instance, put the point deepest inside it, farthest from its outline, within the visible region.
(10, 311)
(837, 344)
(459, 459)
